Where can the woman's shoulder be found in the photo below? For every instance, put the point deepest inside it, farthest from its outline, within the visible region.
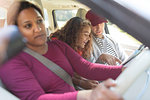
(55, 41)
(58, 43)
(20, 59)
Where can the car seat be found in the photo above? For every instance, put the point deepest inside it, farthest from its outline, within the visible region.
(5, 94)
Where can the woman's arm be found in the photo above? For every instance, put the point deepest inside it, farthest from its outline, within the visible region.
(83, 83)
(101, 92)
(18, 78)
(87, 69)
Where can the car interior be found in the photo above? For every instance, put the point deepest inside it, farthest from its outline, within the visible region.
(138, 62)
(120, 15)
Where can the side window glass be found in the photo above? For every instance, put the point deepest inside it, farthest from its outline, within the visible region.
(127, 42)
(62, 16)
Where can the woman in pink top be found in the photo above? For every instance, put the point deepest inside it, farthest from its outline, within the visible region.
(29, 79)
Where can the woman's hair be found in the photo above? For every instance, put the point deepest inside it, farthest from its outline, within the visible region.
(26, 5)
(71, 32)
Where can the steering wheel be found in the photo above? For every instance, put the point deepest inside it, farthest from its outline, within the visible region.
(134, 82)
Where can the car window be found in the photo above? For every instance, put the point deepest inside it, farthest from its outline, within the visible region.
(139, 6)
(62, 16)
(126, 41)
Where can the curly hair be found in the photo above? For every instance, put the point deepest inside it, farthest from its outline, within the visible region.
(71, 32)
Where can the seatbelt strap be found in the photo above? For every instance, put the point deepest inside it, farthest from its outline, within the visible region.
(52, 66)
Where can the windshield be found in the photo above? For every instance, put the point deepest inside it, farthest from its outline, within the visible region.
(141, 7)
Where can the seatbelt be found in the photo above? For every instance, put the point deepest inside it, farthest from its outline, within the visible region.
(106, 29)
(52, 66)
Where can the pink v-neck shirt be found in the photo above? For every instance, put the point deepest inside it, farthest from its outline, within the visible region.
(29, 79)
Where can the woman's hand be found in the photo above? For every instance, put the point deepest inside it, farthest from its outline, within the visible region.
(109, 59)
(84, 83)
(88, 84)
(101, 92)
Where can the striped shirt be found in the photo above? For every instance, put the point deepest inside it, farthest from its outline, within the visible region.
(105, 47)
